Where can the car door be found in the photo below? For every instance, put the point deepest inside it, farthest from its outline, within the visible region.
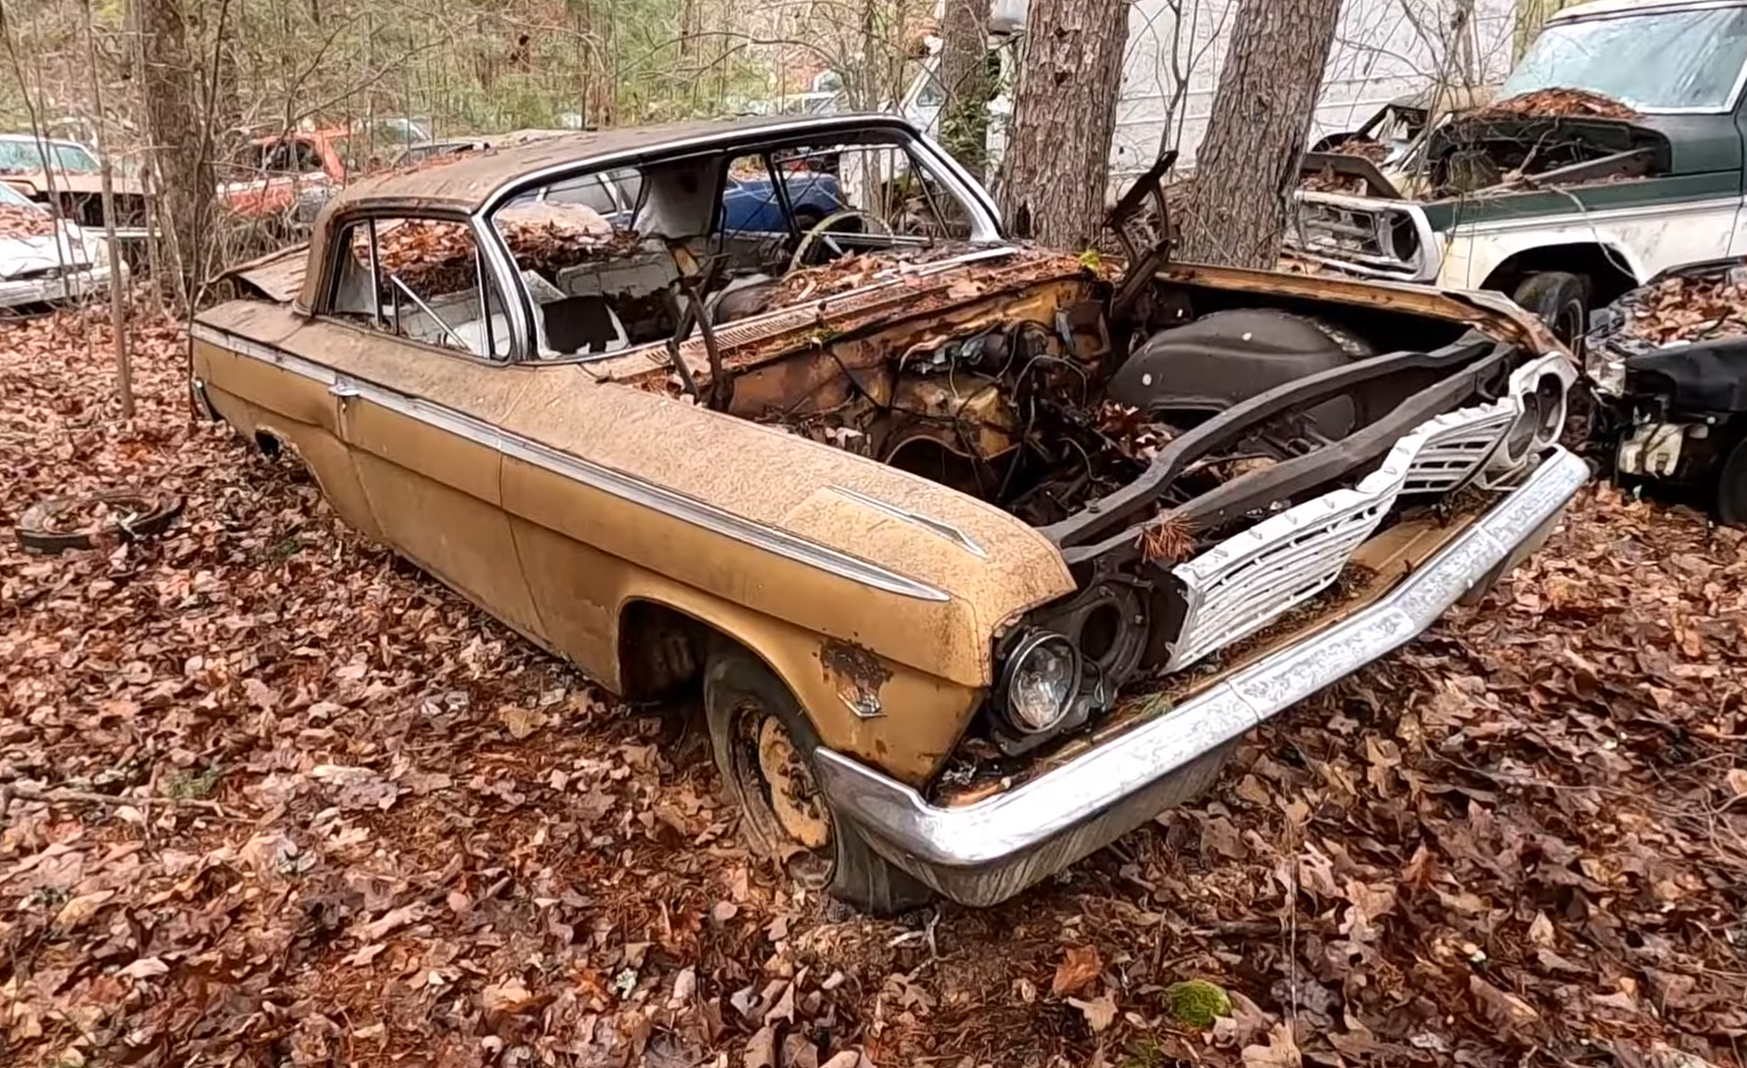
(423, 376)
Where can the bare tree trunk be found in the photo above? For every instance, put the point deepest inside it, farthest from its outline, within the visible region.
(178, 143)
(117, 294)
(964, 78)
(1248, 161)
(1057, 162)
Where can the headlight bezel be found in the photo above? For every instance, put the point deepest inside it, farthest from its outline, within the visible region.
(1031, 644)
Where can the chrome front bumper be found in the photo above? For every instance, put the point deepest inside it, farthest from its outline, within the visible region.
(986, 852)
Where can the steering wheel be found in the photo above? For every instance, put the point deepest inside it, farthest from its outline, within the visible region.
(820, 231)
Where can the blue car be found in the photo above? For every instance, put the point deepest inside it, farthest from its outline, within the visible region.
(749, 205)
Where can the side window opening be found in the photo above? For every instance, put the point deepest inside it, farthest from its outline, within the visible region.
(595, 284)
(308, 158)
(423, 280)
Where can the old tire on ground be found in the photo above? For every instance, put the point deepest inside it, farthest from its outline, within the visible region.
(764, 744)
(1732, 487)
(1561, 301)
(125, 516)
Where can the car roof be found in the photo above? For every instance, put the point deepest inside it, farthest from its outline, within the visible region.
(1620, 7)
(468, 181)
(44, 140)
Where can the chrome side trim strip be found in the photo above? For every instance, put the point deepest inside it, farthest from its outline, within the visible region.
(985, 852)
(933, 526)
(621, 485)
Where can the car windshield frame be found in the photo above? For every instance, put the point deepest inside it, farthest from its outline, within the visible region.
(1688, 30)
(61, 151)
(952, 180)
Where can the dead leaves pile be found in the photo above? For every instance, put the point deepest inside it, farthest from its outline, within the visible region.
(1556, 103)
(272, 797)
(1703, 306)
(21, 222)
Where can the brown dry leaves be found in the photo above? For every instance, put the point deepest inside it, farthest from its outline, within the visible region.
(1700, 308)
(1518, 841)
(1557, 103)
(20, 222)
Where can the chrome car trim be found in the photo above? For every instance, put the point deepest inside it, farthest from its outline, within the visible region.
(1249, 580)
(985, 852)
(933, 526)
(1428, 256)
(621, 485)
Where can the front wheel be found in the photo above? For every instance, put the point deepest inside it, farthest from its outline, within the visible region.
(1731, 500)
(764, 747)
(1560, 300)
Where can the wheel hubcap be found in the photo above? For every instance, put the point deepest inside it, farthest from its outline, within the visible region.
(794, 797)
(787, 814)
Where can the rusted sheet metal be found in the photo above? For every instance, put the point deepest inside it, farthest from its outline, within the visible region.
(279, 275)
(1493, 312)
(958, 297)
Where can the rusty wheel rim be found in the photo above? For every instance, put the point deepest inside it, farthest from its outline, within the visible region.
(782, 798)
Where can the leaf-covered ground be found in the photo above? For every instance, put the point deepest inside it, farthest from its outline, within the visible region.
(272, 797)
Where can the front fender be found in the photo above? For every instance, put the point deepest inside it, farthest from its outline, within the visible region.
(891, 716)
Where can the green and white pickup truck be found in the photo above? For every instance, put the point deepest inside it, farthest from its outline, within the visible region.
(1614, 150)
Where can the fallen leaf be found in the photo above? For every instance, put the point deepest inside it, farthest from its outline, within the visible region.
(144, 968)
(1079, 966)
(1099, 1012)
(1280, 1052)
(1502, 1008)
(760, 1049)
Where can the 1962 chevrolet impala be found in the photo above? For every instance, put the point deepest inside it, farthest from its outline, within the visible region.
(980, 555)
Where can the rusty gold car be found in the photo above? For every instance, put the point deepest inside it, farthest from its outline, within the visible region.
(979, 554)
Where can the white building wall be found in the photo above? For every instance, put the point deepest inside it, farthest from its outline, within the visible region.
(1383, 49)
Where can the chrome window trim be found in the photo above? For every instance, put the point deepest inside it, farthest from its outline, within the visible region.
(617, 483)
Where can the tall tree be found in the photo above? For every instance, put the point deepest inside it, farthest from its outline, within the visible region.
(1057, 163)
(180, 149)
(1247, 164)
(966, 80)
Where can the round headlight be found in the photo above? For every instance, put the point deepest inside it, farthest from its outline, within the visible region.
(1040, 682)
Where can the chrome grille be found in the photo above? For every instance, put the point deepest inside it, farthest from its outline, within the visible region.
(1457, 447)
(1251, 579)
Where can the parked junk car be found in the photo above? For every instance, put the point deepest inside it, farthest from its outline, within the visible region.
(282, 180)
(415, 154)
(71, 184)
(45, 260)
(1669, 363)
(980, 556)
(1612, 152)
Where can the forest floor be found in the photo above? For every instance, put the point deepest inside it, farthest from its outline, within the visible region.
(270, 796)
